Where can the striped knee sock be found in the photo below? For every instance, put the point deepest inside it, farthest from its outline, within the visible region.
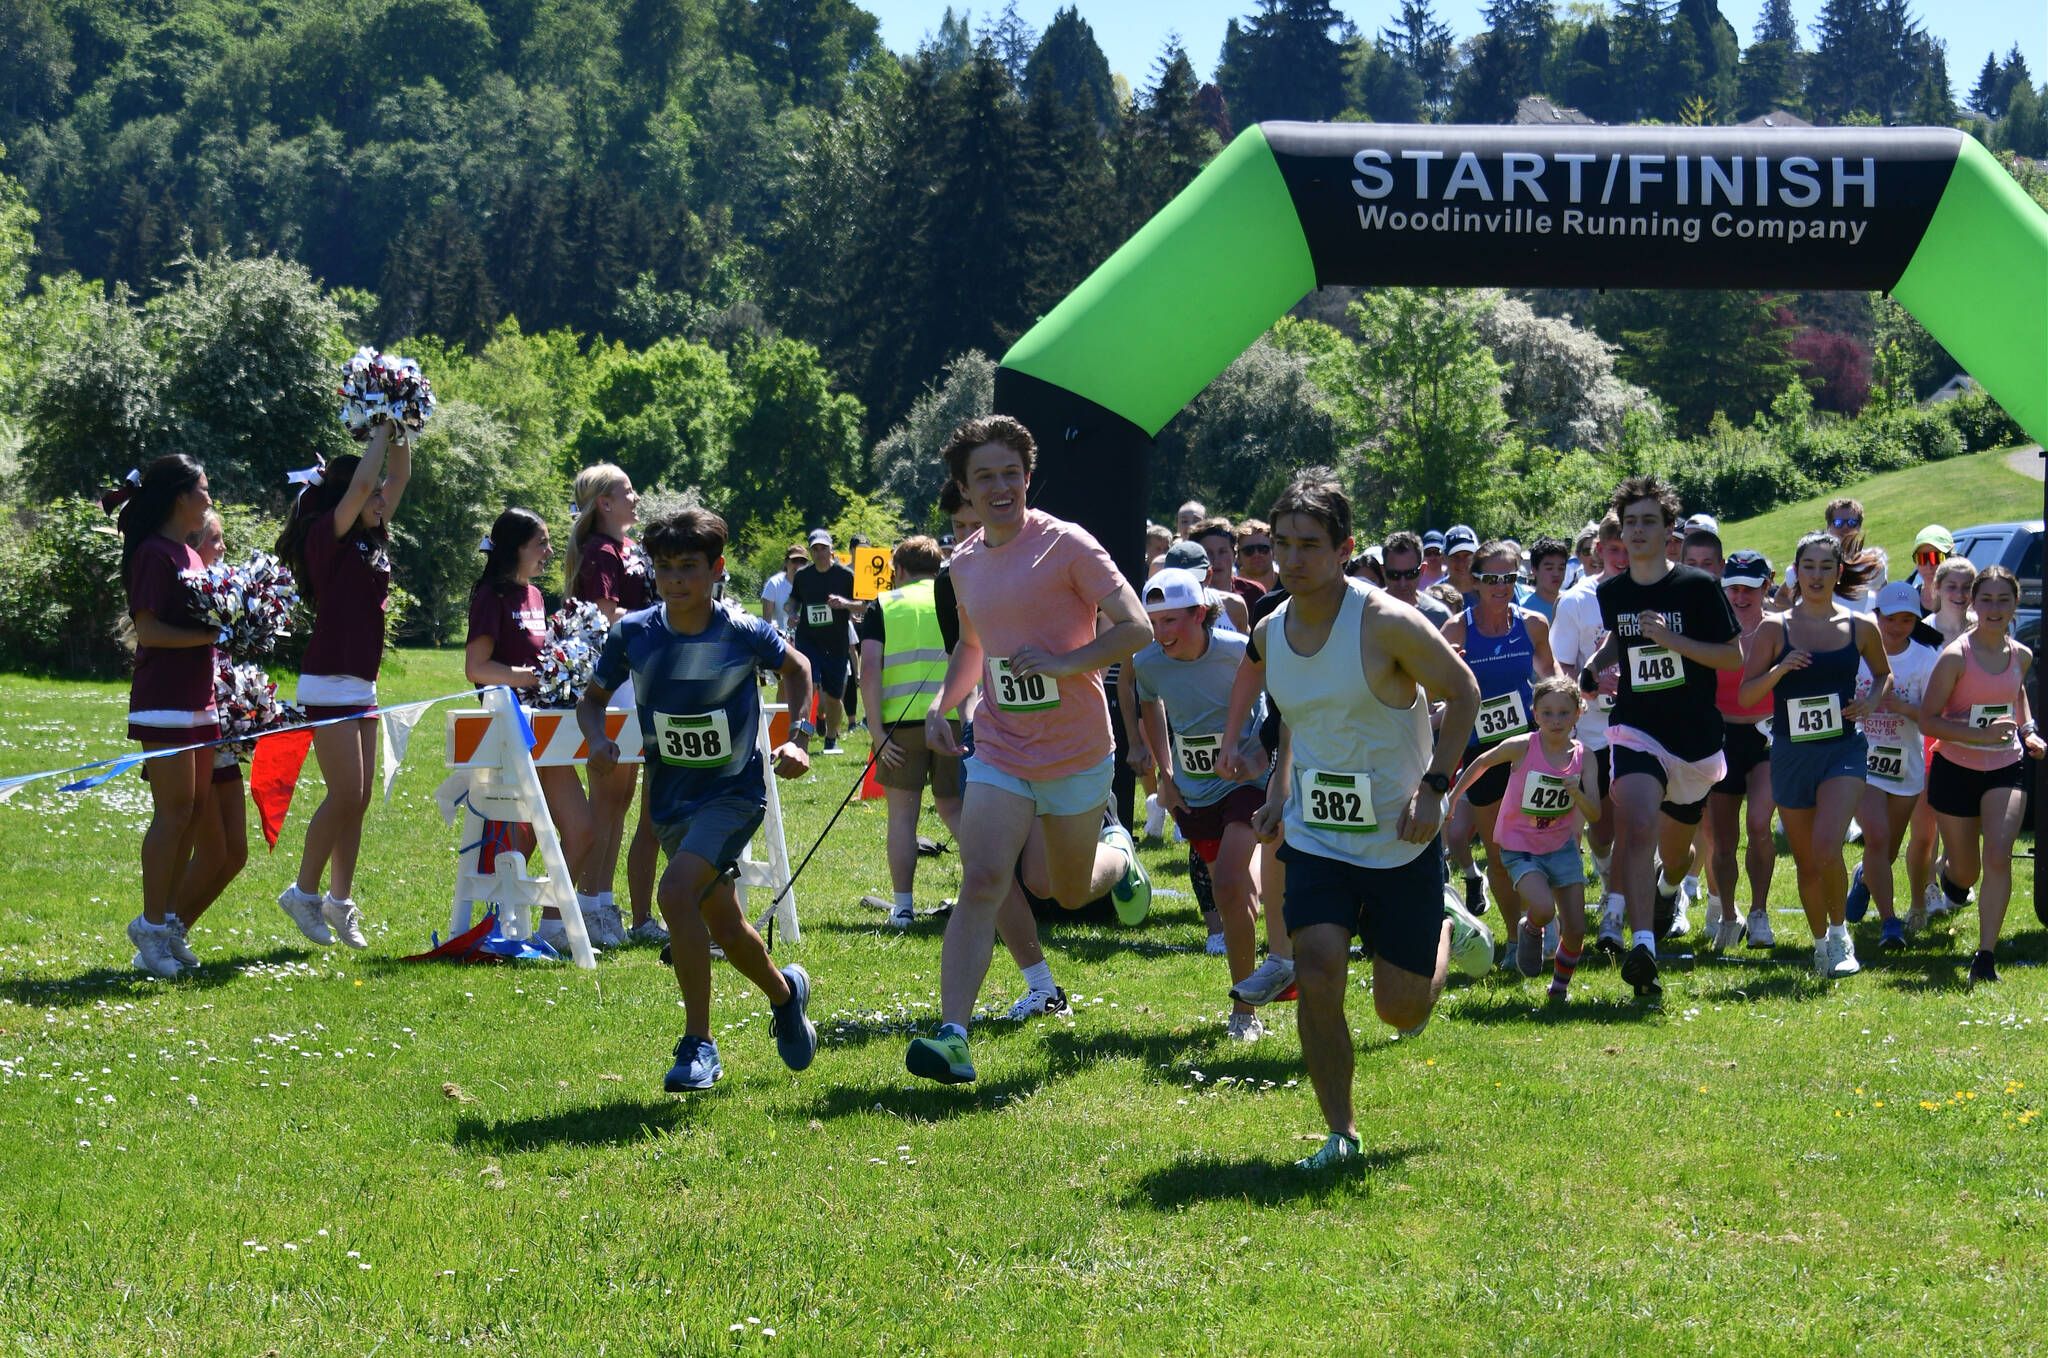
(1565, 963)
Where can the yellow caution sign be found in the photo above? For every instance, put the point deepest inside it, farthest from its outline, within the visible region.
(872, 572)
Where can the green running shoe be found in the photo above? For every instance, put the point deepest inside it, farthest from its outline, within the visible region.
(1132, 894)
(942, 1057)
(1336, 1150)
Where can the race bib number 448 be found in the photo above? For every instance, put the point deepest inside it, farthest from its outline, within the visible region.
(1651, 668)
(1015, 692)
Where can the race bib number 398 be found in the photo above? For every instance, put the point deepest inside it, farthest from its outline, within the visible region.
(1651, 668)
(1336, 801)
(693, 742)
(1015, 692)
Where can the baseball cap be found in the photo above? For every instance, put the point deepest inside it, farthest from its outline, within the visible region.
(1461, 539)
(1432, 539)
(1187, 555)
(1937, 537)
(795, 549)
(1898, 597)
(1746, 568)
(819, 535)
(1172, 587)
(1703, 523)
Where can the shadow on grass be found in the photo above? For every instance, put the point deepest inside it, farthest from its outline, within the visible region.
(617, 1123)
(1275, 1060)
(927, 1102)
(1267, 1183)
(90, 987)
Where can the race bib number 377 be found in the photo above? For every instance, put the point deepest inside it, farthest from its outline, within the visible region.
(1336, 801)
(1015, 692)
(818, 615)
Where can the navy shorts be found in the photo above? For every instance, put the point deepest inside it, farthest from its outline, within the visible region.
(828, 671)
(716, 831)
(1627, 761)
(1489, 787)
(1745, 747)
(1398, 913)
(1798, 768)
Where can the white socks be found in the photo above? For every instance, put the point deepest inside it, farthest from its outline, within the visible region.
(1643, 938)
(1038, 976)
(903, 900)
(586, 904)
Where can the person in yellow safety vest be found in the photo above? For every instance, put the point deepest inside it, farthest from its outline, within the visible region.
(903, 667)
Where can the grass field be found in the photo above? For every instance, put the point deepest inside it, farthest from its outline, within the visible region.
(1963, 491)
(315, 1152)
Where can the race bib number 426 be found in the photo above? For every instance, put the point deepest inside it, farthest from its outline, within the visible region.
(1015, 692)
(693, 742)
(1545, 797)
(1336, 801)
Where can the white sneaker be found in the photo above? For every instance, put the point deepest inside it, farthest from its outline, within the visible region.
(606, 929)
(1938, 903)
(1036, 1002)
(1246, 1028)
(649, 930)
(1216, 947)
(1758, 927)
(902, 916)
(1823, 959)
(1842, 957)
(1728, 933)
(304, 910)
(1681, 923)
(1916, 917)
(1612, 938)
(345, 920)
(1713, 914)
(186, 957)
(1550, 934)
(1266, 984)
(1155, 817)
(152, 949)
(555, 934)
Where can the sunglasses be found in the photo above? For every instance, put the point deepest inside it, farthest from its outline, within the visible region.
(1415, 574)
(1846, 523)
(1930, 556)
(1489, 578)
(1256, 549)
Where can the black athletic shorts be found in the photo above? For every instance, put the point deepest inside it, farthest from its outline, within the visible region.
(1627, 761)
(1746, 748)
(1490, 786)
(1398, 913)
(1953, 790)
(1604, 758)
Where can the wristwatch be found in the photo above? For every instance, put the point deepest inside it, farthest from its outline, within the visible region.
(1436, 783)
(802, 727)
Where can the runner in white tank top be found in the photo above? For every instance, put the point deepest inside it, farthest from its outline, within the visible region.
(1353, 671)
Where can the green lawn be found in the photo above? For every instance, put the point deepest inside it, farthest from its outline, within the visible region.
(1969, 490)
(267, 1158)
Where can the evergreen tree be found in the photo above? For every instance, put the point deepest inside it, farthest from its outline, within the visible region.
(2013, 77)
(1014, 43)
(1423, 43)
(1770, 78)
(1848, 69)
(1380, 85)
(1705, 351)
(1585, 83)
(953, 46)
(1068, 64)
(1985, 95)
(1776, 24)
(1526, 29)
(1934, 103)
(1283, 62)
(1489, 87)
(1640, 57)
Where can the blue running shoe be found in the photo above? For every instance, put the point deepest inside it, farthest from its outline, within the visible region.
(696, 1066)
(1893, 939)
(1859, 896)
(796, 1037)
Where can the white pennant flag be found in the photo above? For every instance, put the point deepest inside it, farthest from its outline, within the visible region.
(397, 724)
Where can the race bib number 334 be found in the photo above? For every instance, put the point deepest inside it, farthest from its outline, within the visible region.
(1015, 692)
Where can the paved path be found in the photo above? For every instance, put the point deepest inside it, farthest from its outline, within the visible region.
(2026, 461)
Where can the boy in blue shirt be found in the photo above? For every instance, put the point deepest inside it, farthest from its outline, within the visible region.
(692, 663)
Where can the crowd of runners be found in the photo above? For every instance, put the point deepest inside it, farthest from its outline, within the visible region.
(1381, 747)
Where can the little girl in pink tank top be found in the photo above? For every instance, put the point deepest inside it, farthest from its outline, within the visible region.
(1550, 793)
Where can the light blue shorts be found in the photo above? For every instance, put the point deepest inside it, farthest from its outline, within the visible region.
(1087, 790)
(1560, 867)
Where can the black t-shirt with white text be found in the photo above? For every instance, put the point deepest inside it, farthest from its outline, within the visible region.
(808, 593)
(1664, 695)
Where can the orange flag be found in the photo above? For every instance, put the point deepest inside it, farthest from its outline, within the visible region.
(274, 775)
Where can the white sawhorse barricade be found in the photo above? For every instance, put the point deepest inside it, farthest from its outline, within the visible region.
(496, 778)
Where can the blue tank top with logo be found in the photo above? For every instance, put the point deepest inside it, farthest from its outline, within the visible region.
(1506, 669)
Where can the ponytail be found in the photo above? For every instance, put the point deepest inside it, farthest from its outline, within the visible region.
(592, 484)
(323, 488)
(158, 489)
(509, 534)
(120, 493)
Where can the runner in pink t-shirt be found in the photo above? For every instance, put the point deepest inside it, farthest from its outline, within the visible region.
(1029, 589)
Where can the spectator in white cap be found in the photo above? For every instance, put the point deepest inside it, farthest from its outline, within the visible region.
(1459, 545)
(1897, 776)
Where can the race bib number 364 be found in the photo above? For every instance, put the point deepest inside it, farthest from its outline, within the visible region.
(1336, 801)
(1015, 692)
(1198, 755)
(701, 741)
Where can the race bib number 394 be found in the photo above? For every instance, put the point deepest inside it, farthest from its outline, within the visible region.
(1336, 801)
(1651, 668)
(693, 742)
(1887, 762)
(1015, 692)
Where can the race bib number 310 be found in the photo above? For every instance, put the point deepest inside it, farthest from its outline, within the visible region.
(1651, 668)
(1015, 692)
(1336, 801)
(693, 742)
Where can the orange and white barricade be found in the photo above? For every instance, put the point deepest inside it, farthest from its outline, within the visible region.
(495, 778)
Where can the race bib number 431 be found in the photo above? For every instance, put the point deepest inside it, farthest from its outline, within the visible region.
(693, 742)
(1336, 801)
(1651, 668)
(1015, 692)
(1815, 718)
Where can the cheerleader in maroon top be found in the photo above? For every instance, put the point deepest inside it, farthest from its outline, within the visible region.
(508, 626)
(601, 571)
(220, 848)
(338, 545)
(170, 699)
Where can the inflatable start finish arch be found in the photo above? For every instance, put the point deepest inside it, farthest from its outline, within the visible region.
(1924, 213)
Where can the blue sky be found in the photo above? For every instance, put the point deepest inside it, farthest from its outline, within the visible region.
(1131, 31)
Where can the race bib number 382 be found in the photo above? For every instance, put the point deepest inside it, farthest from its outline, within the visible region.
(1015, 692)
(1336, 801)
